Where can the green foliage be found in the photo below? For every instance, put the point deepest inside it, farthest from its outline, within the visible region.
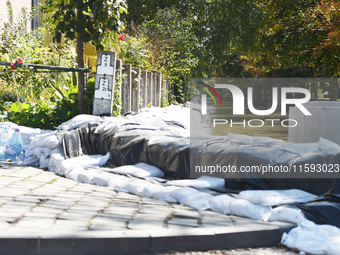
(88, 20)
(46, 99)
(171, 46)
(16, 42)
(117, 102)
(89, 95)
(46, 113)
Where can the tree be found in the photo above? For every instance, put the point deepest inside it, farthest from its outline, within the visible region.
(171, 48)
(85, 21)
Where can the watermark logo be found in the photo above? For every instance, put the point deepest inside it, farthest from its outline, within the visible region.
(239, 99)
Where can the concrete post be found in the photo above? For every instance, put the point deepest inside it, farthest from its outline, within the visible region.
(119, 71)
(144, 89)
(127, 89)
(165, 90)
(135, 90)
(149, 88)
(104, 84)
(154, 85)
(158, 88)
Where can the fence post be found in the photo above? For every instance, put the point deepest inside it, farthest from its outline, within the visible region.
(143, 83)
(164, 91)
(158, 88)
(154, 92)
(135, 90)
(119, 70)
(104, 84)
(149, 88)
(127, 89)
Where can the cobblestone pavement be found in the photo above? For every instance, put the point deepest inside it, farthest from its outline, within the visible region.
(39, 205)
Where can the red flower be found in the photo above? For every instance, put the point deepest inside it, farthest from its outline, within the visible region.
(12, 66)
(19, 61)
(122, 36)
(108, 29)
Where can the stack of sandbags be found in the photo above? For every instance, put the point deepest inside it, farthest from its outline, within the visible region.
(27, 133)
(40, 148)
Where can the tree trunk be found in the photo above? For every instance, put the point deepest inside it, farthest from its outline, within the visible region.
(81, 78)
(333, 89)
(314, 90)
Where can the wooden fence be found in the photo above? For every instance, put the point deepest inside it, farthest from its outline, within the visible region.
(138, 88)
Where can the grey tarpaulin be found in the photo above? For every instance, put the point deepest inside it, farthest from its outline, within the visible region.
(131, 143)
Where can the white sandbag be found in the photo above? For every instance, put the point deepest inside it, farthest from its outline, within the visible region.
(31, 161)
(245, 208)
(199, 201)
(49, 140)
(192, 197)
(136, 186)
(221, 203)
(87, 176)
(117, 183)
(182, 194)
(160, 192)
(103, 179)
(289, 214)
(56, 158)
(276, 197)
(315, 239)
(139, 170)
(74, 173)
(201, 182)
(79, 121)
(29, 152)
(83, 161)
(44, 162)
(42, 152)
(27, 134)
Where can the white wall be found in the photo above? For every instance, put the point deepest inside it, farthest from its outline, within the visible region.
(324, 122)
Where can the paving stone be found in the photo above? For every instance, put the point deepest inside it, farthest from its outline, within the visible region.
(95, 201)
(40, 215)
(114, 216)
(25, 173)
(65, 183)
(70, 195)
(15, 208)
(146, 222)
(47, 210)
(183, 222)
(186, 213)
(35, 223)
(72, 223)
(83, 188)
(100, 223)
(121, 210)
(76, 216)
(156, 212)
(152, 202)
(8, 180)
(217, 220)
(84, 208)
(44, 192)
(12, 192)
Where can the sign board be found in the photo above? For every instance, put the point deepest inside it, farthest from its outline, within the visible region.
(104, 85)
